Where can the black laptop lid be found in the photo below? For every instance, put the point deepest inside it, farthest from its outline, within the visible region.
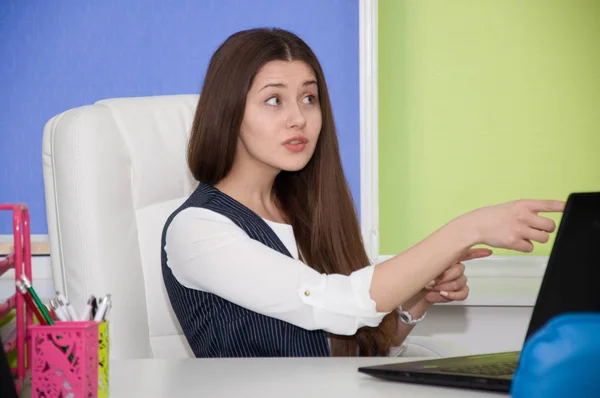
(570, 283)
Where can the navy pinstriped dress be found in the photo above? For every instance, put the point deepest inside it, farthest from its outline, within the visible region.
(215, 327)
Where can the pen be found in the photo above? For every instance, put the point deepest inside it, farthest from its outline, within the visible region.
(94, 306)
(37, 300)
(30, 303)
(59, 311)
(70, 310)
(108, 307)
(87, 310)
(62, 309)
(52, 313)
(104, 303)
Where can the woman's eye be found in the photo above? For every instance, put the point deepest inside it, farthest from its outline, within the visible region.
(274, 101)
(309, 99)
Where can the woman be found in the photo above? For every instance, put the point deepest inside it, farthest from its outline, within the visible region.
(265, 258)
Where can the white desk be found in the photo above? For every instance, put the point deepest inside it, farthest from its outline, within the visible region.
(264, 378)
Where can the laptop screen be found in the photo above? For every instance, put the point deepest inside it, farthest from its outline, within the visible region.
(570, 283)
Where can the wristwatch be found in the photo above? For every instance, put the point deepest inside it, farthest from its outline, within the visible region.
(407, 318)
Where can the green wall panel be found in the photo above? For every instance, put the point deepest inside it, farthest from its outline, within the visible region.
(482, 102)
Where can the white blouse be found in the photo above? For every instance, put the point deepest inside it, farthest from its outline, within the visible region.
(207, 251)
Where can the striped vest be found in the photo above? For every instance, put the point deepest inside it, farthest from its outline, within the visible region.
(215, 327)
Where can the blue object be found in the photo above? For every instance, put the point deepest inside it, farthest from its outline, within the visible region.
(561, 360)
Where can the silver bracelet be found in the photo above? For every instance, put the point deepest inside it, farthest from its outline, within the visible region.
(406, 317)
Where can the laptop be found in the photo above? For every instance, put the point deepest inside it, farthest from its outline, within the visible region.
(569, 285)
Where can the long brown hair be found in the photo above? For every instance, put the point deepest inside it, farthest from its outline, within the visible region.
(316, 200)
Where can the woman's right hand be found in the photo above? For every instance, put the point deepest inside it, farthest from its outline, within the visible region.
(513, 225)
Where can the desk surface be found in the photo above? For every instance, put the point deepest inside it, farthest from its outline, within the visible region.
(265, 378)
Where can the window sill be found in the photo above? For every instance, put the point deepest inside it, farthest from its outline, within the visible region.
(41, 270)
(507, 281)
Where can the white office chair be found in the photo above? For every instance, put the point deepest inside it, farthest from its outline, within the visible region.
(113, 172)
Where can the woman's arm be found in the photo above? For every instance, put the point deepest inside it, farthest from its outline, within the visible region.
(398, 279)
(207, 251)
(215, 255)
(512, 225)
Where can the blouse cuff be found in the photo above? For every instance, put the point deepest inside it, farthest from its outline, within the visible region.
(343, 295)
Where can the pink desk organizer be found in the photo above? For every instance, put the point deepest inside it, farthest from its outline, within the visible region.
(64, 360)
(20, 260)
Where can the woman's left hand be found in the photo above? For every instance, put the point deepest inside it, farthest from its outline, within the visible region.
(452, 284)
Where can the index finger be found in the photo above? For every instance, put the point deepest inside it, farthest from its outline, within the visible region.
(546, 206)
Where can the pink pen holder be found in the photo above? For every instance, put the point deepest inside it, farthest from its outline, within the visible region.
(69, 359)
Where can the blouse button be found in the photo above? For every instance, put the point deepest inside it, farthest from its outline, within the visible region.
(307, 293)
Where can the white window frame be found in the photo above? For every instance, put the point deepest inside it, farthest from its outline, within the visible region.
(369, 153)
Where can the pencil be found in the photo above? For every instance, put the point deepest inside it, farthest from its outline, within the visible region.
(30, 303)
(37, 300)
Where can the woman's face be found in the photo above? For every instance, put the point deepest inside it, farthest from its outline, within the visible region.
(282, 119)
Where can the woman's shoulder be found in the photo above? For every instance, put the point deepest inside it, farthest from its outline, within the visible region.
(198, 216)
(200, 227)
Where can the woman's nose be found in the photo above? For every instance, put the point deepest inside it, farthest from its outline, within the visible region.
(295, 117)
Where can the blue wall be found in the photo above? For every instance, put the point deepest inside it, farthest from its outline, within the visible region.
(56, 55)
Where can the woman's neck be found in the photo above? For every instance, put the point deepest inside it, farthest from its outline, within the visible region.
(253, 190)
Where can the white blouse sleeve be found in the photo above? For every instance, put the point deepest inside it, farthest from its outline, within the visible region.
(207, 251)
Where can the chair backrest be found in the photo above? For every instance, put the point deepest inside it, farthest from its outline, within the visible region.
(113, 172)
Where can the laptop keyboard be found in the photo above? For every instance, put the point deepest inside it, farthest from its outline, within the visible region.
(496, 369)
